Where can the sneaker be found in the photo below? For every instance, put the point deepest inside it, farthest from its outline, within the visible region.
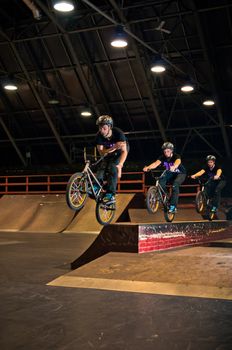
(214, 209)
(172, 209)
(109, 197)
(95, 189)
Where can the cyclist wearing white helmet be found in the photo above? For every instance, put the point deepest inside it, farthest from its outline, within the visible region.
(112, 141)
(212, 172)
(176, 172)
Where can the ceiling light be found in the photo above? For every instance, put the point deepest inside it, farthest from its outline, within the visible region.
(63, 6)
(158, 69)
(86, 112)
(53, 101)
(208, 102)
(120, 38)
(10, 87)
(10, 83)
(158, 65)
(187, 87)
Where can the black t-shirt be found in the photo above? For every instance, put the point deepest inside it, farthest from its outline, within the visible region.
(117, 136)
(168, 162)
(210, 173)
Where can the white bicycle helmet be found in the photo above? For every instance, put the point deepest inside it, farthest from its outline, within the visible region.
(105, 120)
(210, 157)
(168, 145)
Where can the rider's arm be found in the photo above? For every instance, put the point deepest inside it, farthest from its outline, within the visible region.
(199, 173)
(102, 150)
(218, 174)
(152, 165)
(176, 164)
(123, 147)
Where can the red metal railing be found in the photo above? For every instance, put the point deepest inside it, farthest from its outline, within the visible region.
(131, 182)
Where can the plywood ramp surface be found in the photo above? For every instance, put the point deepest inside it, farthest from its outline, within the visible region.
(142, 216)
(34, 213)
(17, 210)
(86, 222)
(52, 216)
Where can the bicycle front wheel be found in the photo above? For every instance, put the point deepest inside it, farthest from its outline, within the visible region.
(76, 191)
(211, 215)
(200, 202)
(105, 212)
(152, 199)
(169, 217)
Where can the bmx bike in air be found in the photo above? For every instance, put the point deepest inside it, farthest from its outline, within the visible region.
(157, 196)
(81, 185)
(203, 202)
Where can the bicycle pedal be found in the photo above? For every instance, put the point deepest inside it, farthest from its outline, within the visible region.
(172, 211)
(109, 202)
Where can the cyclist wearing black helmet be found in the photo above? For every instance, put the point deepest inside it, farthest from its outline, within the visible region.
(214, 187)
(112, 141)
(176, 172)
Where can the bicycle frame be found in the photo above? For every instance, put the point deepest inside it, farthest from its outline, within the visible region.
(92, 178)
(203, 190)
(163, 195)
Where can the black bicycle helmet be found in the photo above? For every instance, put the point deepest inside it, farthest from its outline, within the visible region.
(210, 157)
(105, 120)
(168, 145)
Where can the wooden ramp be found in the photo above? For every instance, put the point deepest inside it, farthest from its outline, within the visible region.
(34, 213)
(144, 238)
(51, 216)
(17, 211)
(86, 222)
(142, 215)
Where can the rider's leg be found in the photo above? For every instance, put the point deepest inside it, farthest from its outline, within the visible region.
(100, 174)
(164, 179)
(210, 188)
(217, 193)
(176, 189)
(112, 177)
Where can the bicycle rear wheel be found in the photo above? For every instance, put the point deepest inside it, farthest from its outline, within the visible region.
(200, 202)
(152, 199)
(105, 212)
(76, 191)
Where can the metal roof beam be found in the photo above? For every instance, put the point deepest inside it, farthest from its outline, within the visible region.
(13, 142)
(73, 55)
(213, 80)
(36, 94)
(149, 90)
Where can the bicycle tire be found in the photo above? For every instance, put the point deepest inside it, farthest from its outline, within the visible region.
(105, 212)
(152, 200)
(75, 195)
(169, 217)
(200, 202)
(211, 215)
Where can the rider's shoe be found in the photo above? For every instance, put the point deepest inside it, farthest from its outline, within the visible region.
(109, 198)
(95, 189)
(214, 209)
(172, 209)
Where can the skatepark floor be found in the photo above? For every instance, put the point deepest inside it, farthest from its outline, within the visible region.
(36, 315)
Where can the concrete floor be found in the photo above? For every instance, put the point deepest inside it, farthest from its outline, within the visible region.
(37, 316)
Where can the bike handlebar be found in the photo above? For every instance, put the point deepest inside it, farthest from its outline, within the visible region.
(100, 159)
(159, 177)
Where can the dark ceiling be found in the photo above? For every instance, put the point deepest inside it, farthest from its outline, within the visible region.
(69, 57)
